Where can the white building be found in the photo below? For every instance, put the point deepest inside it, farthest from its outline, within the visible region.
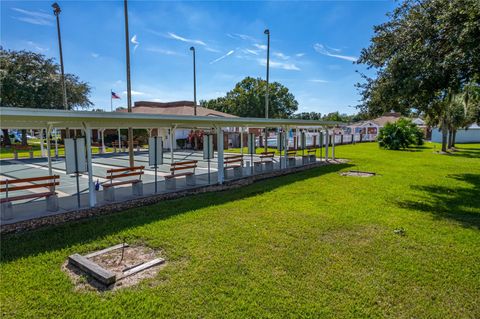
(469, 135)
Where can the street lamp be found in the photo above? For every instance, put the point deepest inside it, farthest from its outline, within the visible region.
(267, 32)
(129, 86)
(194, 83)
(56, 12)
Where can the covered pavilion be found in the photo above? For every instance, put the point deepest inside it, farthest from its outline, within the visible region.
(24, 118)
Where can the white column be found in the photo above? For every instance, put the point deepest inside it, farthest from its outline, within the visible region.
(119, 141)
(172, 137)
(103, 140)
(42, 152)
(49, 155)
(327, 137)
(56, 142)
(333, 146)
(285, 137)
(220, 170)
(241, 141)
(92, 200)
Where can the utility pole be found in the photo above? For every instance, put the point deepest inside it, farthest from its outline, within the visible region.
(267, 32)
(129, 85)
(194, 83)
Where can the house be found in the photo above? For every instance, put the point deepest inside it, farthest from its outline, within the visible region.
(372, 127)
(178, 108)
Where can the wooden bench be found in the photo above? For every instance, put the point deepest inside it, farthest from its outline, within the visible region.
(235, 162)
(265, 158)
(11, 185)
(17, 148)
(116, 177)
(310, 156)
(118, 146)
(181, 166)
(291, 157)
(136, 145)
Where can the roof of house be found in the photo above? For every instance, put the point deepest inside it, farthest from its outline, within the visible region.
(174, 108)
(388, 117)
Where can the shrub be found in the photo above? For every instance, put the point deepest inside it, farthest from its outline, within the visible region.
(400, 135)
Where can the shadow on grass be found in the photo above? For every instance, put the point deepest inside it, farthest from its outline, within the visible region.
(468, 152)
(53, 238)
(456, 203)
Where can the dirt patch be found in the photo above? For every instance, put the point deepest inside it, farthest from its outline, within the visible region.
(133, 256)
(358, 174)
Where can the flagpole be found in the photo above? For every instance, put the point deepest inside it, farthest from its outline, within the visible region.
(111, 100)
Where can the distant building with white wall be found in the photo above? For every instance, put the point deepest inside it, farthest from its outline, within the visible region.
(469, 135)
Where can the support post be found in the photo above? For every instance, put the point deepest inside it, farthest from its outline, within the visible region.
(172, 138)
(103, 140)
(92, 200)
(56, 143)
(327, 141)
(220, 161)
(285, 149)
(333, 146)
(241, 140)
(42, 152)
(119, 141)
(49, 153)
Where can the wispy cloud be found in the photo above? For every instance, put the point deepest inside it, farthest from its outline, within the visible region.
(223, 56)
(250, 51)
(299, 55)
(241, 36)
(320, 48)
(279, 65)
(34, 17)
(180, 38)
(135, 42)
(260, 46)
(212, 50)
(95, 55)
(333, 49)
(37, 47)
(318, 81)
(134, 93)
(162, 51)
(281, 55)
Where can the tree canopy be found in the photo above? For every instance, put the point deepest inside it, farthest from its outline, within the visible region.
(428, 52)
(247, 99)
(32, 80)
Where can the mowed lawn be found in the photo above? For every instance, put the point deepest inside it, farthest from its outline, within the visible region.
(313, 245)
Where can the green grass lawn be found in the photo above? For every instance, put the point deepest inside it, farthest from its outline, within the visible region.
(7, 153)
(313, 244)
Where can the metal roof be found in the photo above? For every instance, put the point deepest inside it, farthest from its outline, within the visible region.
(25, 118)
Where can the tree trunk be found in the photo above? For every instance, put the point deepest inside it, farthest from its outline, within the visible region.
(444, 135)
(454, 137)
(450, 136)
(24, 138)
(6, 138)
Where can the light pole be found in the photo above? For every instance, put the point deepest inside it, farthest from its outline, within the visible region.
(267, 32)
(194, 83)
(56, 12)
(129, 86)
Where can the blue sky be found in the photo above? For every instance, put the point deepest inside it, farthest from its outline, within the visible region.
(313, 45)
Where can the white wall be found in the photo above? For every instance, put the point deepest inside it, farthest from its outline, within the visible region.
(472, 135)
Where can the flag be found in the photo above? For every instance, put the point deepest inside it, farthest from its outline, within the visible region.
(115, 96)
